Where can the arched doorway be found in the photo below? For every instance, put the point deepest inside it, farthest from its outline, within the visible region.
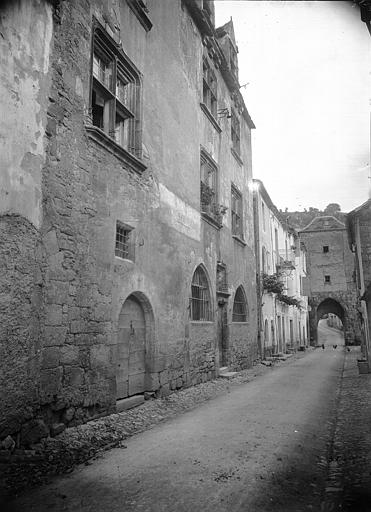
(131, 347)
(330, 318)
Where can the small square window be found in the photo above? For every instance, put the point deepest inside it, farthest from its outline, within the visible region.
(325, 248)
(124, 242)
(327, 279)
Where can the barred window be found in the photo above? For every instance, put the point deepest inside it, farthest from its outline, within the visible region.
(235, 132)
(200, 301)
(124, 247)
(115, 93)
(209, 88)
(236, 212)
(239, 306)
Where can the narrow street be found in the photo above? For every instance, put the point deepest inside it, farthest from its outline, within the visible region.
(261, 447)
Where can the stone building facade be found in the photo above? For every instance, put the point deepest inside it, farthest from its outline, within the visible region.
(126, 217)
(359, 233)
(281, 268)
(331, 276)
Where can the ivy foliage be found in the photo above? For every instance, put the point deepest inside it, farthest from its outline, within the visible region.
(272, 283)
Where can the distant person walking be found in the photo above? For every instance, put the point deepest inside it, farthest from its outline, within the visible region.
(323, 346)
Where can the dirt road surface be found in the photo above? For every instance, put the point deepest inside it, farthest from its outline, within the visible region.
(261, 447)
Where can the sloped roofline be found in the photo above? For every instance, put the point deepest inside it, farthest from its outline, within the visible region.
(322, 217)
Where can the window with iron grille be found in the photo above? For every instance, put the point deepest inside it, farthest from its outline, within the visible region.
(208, 185)
(235, 132)
(327, 279)
(236, 212)
(124, 247)
(209, 88)
(239, 306)
(115, 93)
(200, 300)
(325, 248)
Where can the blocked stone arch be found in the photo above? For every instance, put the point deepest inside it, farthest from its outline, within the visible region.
(135, 345)
(329, 304)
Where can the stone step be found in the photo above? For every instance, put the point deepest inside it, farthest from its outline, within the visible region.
(227, 375)
(223, 369)
(128, 403)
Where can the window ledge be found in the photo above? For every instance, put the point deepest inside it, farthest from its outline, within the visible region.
(237, 156)
(239, 240)
(198, 322)
(140, 11)
(118, 259)
(242, 323)
(223, 293)
(101, 138)
(210, 220)
(210, 117)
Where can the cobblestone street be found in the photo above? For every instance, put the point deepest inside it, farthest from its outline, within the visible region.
(349, 479)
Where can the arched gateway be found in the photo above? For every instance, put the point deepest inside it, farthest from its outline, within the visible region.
(323, 306)
(135, 326)
(330, 282)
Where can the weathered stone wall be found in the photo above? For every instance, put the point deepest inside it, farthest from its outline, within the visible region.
(364, 219)
(25, 47)
(338, 263)
(20, 311)
(95, 190)
(243, 350)
(26, 29)
(86, 188)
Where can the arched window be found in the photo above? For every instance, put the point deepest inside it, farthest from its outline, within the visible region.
(200, 301)
(239, 306)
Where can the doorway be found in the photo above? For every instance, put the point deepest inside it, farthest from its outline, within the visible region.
(222, 333)
(131, 349)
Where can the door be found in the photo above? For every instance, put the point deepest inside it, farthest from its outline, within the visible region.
(279, 334)
(273, 337)
(131, 351)
(222, 333)
(291, 333)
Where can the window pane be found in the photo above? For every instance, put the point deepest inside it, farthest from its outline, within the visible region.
(200, 297)
(239, 306)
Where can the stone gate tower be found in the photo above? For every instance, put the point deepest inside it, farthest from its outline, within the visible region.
(330, 265)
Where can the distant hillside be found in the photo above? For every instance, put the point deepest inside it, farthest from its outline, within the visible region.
(298, 220)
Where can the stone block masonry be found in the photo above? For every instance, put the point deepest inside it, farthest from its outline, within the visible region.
(68, 338)
(21, 315)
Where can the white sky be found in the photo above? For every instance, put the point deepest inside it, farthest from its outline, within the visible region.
(308, 69)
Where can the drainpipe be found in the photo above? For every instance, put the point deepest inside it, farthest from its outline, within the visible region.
(255, 188)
